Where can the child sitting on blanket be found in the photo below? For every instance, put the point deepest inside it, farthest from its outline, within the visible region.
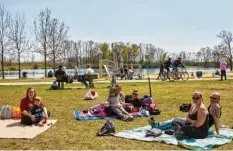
(116, 106)
(38, 112)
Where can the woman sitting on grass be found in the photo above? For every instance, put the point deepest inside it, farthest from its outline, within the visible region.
(197, 120)
(215, 111)
(116, 106)
(25, 106)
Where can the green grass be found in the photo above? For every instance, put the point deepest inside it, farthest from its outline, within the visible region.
(71, 134)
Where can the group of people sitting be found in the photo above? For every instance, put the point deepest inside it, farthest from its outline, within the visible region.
(61, 72)
(33, 110)
(197, 123)
(117, 104)
(200, 118)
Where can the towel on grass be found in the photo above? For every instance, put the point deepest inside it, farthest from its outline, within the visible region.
(12, 128)
(197, 144)
(98, 112)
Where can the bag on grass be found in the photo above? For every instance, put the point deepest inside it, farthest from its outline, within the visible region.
(16, 113)
(146, 100)
(5, 112)
(155, 132)
(107, 129)
(185, 107)
(91, 95)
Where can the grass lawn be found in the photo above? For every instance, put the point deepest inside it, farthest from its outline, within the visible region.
(70, 134)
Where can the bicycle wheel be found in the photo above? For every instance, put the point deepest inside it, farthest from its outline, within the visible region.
(185, 76)
(171, 76)
(163, 76)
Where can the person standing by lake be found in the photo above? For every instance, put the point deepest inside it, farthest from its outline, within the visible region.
(223, 68)
(126, 72)
(75, 69)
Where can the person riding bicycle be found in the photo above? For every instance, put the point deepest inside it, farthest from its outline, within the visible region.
(177, 63)
(167, 64)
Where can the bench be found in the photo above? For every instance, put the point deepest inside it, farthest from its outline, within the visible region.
(61, 78)
(90, 78)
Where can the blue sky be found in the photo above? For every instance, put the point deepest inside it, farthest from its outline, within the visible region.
(175, 25)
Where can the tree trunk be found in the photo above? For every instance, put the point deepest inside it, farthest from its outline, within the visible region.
(54, 63)
(45, 61)
(19, 65)
(231, 64)
(3, 76)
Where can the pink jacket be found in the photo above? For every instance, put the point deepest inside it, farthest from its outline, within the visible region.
(223, 65)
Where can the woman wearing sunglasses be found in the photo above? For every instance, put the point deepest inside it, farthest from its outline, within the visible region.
(197, 120)
(215, 111)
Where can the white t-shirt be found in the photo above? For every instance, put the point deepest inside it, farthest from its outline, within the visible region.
(89, 71)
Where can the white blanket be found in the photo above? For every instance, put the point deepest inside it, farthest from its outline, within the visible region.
(12, 128)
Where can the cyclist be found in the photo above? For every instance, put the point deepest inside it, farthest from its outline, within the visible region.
(176, 64)
(167, 64)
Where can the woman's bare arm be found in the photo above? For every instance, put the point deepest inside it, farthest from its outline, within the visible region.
(201, 117)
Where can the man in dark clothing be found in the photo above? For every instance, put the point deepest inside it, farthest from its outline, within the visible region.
(133, 101)
(167, 64)
(60, 73)
(126, 72)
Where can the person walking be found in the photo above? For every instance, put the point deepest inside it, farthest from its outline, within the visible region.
(223, 68)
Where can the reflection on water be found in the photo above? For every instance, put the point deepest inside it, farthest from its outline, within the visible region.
(39, 73)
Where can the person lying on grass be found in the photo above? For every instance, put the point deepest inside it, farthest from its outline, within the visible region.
(39, 112)
(26, 104)
(114, 100)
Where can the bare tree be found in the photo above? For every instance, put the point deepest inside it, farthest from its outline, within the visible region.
(205, 56)
(4, 26)
(58, 33)
(18, 37)
(227, 39)
(42, 31)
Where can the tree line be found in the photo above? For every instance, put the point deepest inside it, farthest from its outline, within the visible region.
(50, 38)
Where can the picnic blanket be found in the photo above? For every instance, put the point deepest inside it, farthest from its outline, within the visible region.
(196, 144)
(98, 112)
(12, 128)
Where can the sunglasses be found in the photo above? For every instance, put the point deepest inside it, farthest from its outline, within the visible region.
(196, 98)
(213, 98)
(135, 94)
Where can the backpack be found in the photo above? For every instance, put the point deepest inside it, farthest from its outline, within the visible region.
(91, 95)
(185, 107)
(107, 129)
(146, 101)
(5, 112)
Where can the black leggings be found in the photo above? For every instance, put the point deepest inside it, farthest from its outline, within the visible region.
(223, 73)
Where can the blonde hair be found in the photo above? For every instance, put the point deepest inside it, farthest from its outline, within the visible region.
(198, 93)
(37, 98)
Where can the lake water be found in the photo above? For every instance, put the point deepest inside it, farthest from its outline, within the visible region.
(39, 73)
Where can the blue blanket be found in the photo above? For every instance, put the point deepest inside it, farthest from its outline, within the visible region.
(78, 116)
(197, 144)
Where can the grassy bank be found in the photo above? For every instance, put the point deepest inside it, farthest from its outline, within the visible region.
(71, 134)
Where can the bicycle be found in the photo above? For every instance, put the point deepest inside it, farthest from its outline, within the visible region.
(163, 76)
(181, 74)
